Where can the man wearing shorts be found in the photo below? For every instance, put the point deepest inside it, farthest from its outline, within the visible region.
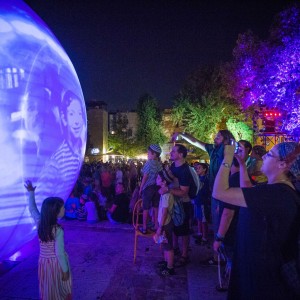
(180, 170)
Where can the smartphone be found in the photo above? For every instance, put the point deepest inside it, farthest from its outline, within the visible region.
(233, 142)
(236, 150)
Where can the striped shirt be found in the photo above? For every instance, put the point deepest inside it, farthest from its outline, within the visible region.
(151, 168)
(59, 174)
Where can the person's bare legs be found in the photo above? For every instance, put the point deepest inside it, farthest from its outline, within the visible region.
(145, 218)
(204, 231)
(185, 245)
(169, 258)
(175, 241)
(155, 214)
(199, 228)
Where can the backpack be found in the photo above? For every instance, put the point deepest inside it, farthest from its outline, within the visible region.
(177, 214)
(195, 183)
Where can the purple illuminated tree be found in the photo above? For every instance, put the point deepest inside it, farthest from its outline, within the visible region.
(268, 72)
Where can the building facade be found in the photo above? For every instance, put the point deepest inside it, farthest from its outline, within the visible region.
(97, 140)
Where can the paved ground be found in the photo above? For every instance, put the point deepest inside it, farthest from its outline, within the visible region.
(101, 257)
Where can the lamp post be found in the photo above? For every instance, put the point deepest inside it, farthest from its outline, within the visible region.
(124, 130)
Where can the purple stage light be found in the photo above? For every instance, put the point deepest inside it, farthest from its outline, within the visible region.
(42, 120)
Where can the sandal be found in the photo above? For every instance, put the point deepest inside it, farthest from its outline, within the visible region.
(142, 230)
(162, 264)
(212, 262)
(183, 261)
(167, 272)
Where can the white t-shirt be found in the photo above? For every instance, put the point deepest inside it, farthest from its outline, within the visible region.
(166, 201)
(119, 176)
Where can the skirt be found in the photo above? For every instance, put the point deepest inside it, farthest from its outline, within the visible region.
(51, 285)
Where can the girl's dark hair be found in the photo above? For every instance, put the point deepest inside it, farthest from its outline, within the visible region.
(49, 212)
(67, 98)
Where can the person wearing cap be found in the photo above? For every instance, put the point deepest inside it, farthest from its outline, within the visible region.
(148, 188)
(268, 225)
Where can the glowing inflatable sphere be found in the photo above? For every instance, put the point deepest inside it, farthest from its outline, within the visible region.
(42, 120)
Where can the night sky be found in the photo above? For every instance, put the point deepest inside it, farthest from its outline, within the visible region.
(122, 49)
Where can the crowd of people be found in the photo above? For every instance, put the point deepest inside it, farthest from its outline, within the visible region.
(250, 196)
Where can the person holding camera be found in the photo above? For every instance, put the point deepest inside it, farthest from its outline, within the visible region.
(268, 224)
(225, 237)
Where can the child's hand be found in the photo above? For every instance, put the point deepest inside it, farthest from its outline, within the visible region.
(65, 276)
(155, 238)
(163, 190)
(29, 187)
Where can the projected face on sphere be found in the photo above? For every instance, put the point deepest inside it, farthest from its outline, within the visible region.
(42, 114)
(72, 118)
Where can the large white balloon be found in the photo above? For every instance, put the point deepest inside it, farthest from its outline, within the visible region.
(42, 120)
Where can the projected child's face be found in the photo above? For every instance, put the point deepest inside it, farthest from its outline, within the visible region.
(74, 119)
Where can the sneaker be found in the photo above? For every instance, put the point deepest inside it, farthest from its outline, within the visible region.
(142, 230)
(197, 236)
(201, 242)
(221, 289)
(212, 262)
(150, 224)
(162, 264)
(167, 272)
(183, 261)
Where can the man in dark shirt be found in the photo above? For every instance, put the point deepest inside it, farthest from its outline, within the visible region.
(119, 212)
(180, 170)
(216, 155)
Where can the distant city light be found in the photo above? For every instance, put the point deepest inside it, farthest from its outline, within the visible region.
(95, 151)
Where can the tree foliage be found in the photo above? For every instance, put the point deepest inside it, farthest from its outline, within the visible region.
(205, 118)
(119, 140)
(117, 136)
(150, 128)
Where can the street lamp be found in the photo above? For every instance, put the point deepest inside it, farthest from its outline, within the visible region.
(124, 130)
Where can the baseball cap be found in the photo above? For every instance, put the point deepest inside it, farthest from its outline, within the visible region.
(156, 148)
